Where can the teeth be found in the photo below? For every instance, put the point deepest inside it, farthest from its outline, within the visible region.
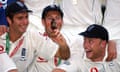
(23, 26)
(86, 49)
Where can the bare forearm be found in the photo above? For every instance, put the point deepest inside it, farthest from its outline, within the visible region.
(58, 70)
(64, 52)
(112, 52)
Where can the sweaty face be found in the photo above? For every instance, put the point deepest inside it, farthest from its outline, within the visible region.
(93, 48)
(49, 17)
(19, 22)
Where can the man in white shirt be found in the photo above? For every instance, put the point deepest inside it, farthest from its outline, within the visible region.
(52, 19)
(95, 42)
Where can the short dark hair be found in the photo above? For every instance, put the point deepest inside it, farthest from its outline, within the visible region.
(51, 8)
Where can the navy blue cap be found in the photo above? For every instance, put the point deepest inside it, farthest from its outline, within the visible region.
(96, 31)
(51, 8)
(16, 7)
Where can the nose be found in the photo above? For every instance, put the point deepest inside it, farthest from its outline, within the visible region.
(86, 44)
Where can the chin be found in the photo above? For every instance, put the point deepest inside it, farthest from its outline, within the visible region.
(89, 56)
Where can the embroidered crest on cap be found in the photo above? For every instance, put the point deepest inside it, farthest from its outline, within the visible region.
(90, 28)
(20, 4)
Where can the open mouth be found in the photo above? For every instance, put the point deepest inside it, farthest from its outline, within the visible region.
(88, 51)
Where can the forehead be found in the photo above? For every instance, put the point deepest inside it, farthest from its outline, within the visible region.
(50, 13)
(97, 39)
(21, 13)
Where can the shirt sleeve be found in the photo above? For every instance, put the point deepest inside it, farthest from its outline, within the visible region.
(6, 63)
(45, 47)
(48, 49)
(76, 49)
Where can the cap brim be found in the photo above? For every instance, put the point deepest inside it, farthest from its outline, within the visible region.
(85, 34)
(27, 10)
(24, 10)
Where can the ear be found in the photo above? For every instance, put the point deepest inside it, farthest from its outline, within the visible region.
(9, 20)
(103, 44)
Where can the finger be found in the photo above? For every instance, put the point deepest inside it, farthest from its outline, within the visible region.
(55, 33)
(4, 29)
(111, 57)
(114, 56)
(108, 59)
(1, 30)
(58, 70)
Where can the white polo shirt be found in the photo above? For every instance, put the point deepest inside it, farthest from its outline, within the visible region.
(25, 50)
(85, 65)
(43, 65)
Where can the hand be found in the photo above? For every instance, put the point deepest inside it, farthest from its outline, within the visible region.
(57, 37)
(112, 52)
(58, 70)
(3, 29)
(13, 70)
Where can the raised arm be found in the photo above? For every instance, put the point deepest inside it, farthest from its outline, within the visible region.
(112, 53)
(64, 50)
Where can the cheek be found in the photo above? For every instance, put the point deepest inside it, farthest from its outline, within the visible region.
(27, 22)
(61, 21)
(96, 47)
(84, 45)
(59, 24)
(46, 24)
(18, 22)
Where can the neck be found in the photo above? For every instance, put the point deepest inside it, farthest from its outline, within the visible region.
(14, 35)
(98, 59)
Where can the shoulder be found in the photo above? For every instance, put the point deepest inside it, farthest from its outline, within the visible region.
(34, 34)
(6, 63)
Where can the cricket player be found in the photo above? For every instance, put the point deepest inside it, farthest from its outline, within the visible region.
(95, 41)
(52, 19)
